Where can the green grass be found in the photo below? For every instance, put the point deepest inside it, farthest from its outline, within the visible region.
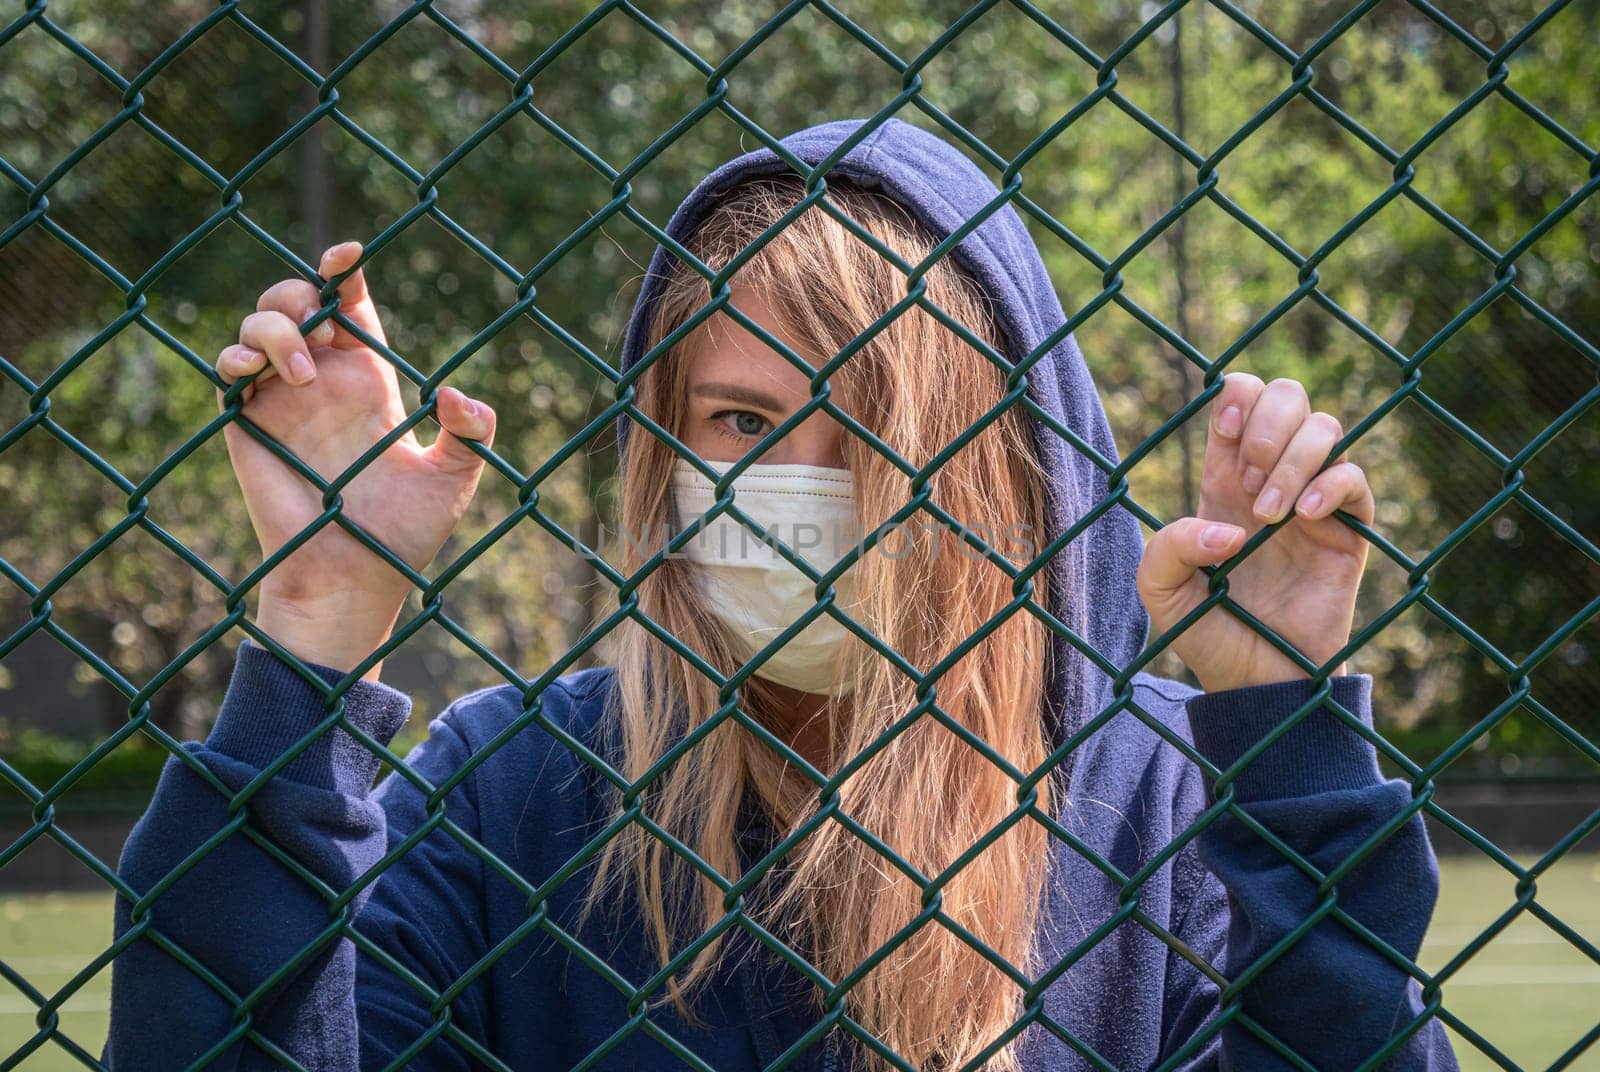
(1529, 993)
(48, 939)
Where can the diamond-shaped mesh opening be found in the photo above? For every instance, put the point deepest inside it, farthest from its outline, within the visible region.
(422, 66)
(1536, 179)
(183, 99)
(55, 104)
(1527, 947)
(366, 181)
(1391, 205)
(99, 200)
(812, 39)
(593, 96)
(1202, 73)
(1395, 53)
(542, 194)
(1307, 195)
(37, 974)
(1003, 44)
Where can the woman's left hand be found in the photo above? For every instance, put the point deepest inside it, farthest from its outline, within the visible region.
(1302, 581)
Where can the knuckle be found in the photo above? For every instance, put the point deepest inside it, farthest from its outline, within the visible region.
(1335, 479)
(265, 321)
(1259, 444)
(1172, 534)
(280, 329)
(1290, 393)
(1194, 526)
(1326, 423)
(1286, 473)
(277, 295)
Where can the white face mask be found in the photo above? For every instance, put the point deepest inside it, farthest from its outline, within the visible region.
(751, 588)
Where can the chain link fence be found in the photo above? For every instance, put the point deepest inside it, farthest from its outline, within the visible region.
(130, 177)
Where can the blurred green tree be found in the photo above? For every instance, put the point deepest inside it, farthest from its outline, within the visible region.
(1261, 271)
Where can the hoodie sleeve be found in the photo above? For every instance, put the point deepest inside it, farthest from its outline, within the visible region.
(1330, 995)
(244, 950)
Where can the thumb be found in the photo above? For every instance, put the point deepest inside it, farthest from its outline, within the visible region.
(460, 419)
(1174, 554)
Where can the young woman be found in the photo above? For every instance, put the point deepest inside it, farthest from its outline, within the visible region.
(940, 825)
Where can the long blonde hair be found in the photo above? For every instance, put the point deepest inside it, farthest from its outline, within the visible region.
(928, 795)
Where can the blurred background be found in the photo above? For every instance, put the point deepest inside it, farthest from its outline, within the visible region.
(1416, 238)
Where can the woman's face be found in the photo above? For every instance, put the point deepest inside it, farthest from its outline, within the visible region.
(740, 389)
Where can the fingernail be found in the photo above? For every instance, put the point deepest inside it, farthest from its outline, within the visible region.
(1229, 422)
(472, 407)
(322, 333)
(1217, 537)
(1267, 505)
(1253, 479)
(1310, 503)
(301, 368)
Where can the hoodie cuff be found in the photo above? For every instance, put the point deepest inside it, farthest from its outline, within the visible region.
(269, 707)
(1319, 754)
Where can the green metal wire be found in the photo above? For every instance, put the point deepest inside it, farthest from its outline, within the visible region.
(1298, 85)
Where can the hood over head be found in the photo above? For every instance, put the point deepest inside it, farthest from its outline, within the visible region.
(946, 191)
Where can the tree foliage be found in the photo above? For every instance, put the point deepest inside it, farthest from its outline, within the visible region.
(1220, 277)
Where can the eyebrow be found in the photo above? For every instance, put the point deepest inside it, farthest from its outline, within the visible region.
(737, 392)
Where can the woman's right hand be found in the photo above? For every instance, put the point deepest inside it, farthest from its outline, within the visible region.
(329, 398)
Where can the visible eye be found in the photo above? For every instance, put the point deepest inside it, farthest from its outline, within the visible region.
(747, 424)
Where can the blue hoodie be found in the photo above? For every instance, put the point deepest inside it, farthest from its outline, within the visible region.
(343, 926)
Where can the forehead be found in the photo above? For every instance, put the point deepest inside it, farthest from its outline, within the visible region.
(722, 349)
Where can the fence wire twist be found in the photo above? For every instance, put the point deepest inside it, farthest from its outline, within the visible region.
(1299, 84)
